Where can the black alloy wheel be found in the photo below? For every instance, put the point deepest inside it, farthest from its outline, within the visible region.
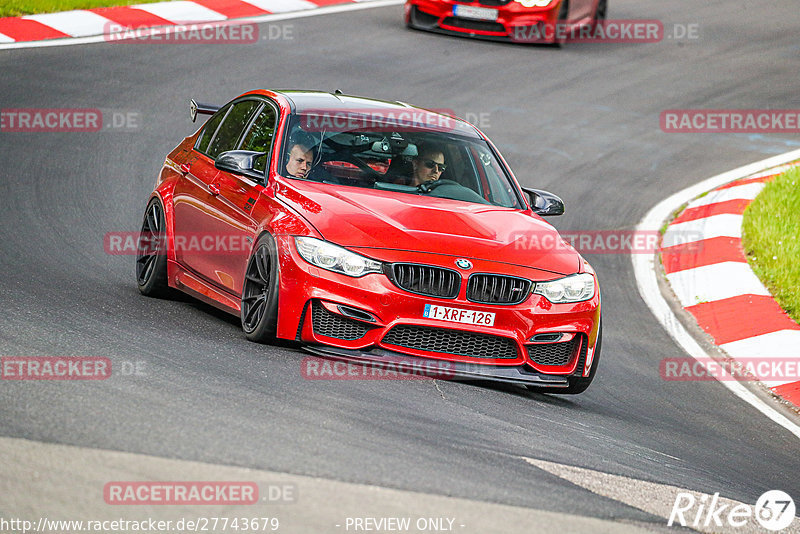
(151, 253)
(260, 292)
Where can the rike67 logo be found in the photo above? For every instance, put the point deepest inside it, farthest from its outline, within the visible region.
(774, 511)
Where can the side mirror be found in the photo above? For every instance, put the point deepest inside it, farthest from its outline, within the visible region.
(544, 203)
(241, 162)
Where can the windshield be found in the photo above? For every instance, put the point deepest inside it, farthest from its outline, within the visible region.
(363, 151)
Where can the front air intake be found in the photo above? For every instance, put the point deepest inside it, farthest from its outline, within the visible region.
(330, 324)
(447, 341)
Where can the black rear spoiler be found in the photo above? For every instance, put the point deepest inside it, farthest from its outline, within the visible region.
(203, 109)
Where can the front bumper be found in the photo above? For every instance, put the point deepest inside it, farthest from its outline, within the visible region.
(370, 317)
(514, 23)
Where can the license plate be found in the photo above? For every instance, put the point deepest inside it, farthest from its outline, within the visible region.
(458, 315)
(473, 12)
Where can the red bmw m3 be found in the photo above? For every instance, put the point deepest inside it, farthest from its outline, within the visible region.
(520, 21)
(372, 231)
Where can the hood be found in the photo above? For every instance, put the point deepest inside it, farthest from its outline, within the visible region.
(367, 218)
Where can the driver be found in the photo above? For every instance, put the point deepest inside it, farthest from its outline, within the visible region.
(428, 164)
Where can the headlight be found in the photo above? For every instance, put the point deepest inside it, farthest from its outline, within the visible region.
(535, 3)
(335, 258)
(575, 288)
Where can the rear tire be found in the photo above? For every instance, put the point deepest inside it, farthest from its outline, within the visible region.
(260, 292)
(151, 253)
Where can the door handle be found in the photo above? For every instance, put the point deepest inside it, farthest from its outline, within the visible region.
(214, 188)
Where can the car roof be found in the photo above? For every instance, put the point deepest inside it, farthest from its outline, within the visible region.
(324, 102)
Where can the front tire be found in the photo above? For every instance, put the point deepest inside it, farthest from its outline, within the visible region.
(260, 292)
(578, 384)
(561, 20)
(581, 383)
(151, 253)
(600, 14)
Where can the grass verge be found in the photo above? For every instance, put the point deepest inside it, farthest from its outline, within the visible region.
(16, 8)
(771, 239)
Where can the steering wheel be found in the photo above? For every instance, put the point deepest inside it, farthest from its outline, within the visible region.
(430, 185)
(347, 154)
(450, 189)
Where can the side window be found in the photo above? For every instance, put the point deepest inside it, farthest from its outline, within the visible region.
(500, 188)
(231, 128)
(259, 136)
(211, 128)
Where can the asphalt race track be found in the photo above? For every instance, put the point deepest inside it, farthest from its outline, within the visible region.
(582, 122)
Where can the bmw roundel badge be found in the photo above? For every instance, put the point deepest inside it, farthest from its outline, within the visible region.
(464, 264)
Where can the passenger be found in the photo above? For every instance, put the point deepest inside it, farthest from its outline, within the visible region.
(299, 160)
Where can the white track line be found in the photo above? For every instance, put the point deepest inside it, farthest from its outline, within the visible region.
(70, 485)
(644, 269)
(652, 497)
(341, 8)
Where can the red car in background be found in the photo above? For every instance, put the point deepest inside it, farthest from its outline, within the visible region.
(521, 21)
(353, 259)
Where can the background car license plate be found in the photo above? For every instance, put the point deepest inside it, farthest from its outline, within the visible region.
(458, 315)
(473, 12)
